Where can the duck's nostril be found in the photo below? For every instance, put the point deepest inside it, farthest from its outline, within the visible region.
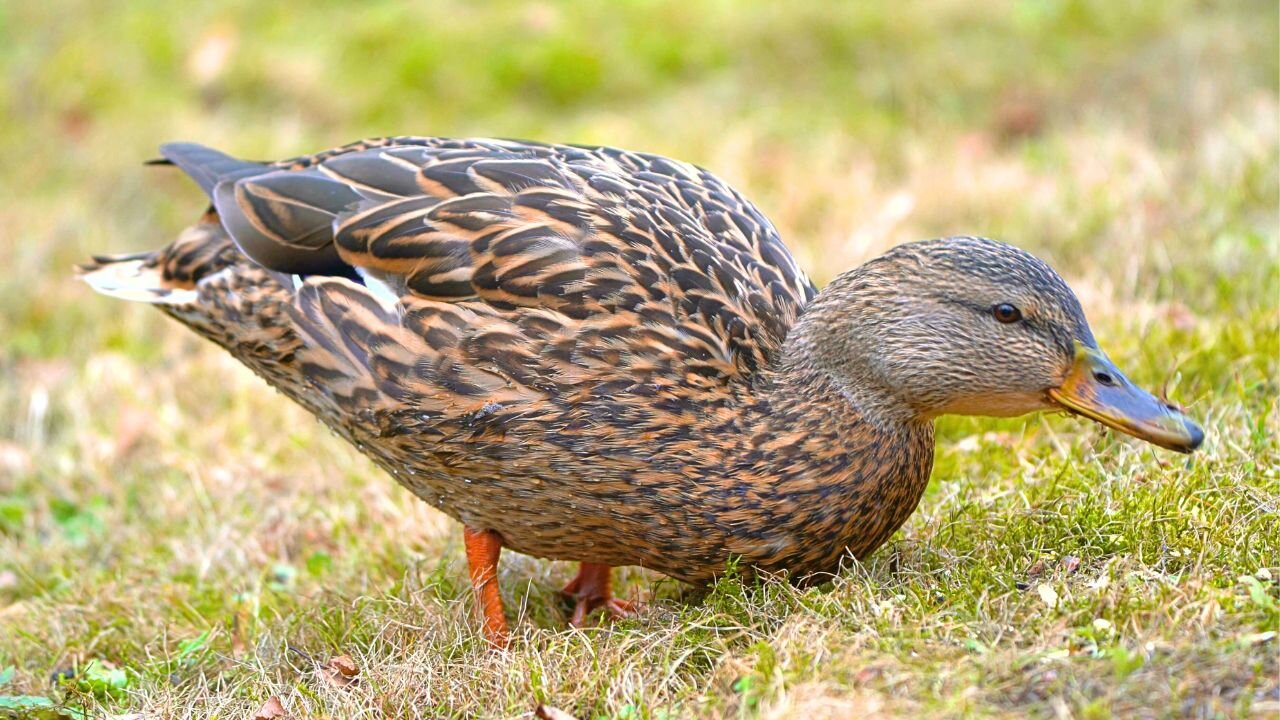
(1104, 378)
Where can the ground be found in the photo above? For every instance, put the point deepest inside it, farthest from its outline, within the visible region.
(176, 540)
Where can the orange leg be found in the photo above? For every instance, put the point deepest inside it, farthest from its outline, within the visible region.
(483, 548)
(591, 588)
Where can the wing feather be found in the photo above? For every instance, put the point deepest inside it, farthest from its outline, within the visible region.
(523, 270)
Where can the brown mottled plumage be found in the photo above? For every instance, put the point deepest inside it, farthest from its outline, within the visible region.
(596, 355)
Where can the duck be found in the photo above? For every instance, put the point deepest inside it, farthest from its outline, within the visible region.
(610, 357)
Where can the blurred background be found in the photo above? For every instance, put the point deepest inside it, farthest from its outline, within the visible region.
(1080, 129)
(1131, 144)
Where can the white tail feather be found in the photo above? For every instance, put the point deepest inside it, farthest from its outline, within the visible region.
(133, 280)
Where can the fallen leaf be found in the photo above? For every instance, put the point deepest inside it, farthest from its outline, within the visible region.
(1070, 563)
(1048, 595)
(270, 710)
(1036, 569)
(341, 671)
(1019, 117)
(547, 712)
(867, 674)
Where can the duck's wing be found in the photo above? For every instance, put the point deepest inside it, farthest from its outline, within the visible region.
(491, 265)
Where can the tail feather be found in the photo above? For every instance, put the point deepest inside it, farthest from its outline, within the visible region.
(282, 219)
(136, 277)
(298, 205)
(167, 276)
(207, 166)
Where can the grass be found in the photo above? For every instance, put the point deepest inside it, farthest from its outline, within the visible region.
(176, 540)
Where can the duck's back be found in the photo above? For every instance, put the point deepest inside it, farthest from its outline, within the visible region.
(506, 327)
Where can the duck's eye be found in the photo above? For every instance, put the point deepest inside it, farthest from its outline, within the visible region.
(1006, 313)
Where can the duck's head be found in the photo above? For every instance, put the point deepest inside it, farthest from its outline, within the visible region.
(972, 326)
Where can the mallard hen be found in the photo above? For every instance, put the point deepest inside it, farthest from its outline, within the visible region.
(589, 354)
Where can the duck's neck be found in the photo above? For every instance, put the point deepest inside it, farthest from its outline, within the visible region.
(843, 462)
(828, 345)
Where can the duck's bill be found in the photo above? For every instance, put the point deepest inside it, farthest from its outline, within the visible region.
(1097, 390)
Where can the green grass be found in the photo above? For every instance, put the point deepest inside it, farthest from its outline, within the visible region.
(176, 539)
